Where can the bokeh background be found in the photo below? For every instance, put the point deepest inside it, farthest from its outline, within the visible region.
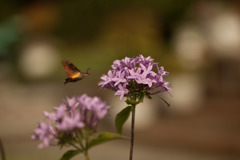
(197, 41)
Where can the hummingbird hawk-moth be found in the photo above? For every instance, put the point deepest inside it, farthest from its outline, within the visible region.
(73, 73)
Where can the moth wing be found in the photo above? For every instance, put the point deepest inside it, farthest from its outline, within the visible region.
(71, 70)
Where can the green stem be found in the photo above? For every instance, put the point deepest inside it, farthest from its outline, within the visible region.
(79, 139)
(86, 147)
(86, 155)
(132, 132)
(72, 144)
(2, 152)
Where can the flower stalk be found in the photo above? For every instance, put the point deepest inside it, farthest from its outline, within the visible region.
(132, 131)
(2, 152)
(86, 155)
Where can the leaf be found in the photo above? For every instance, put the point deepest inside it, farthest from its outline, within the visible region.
(104, 137)
(69, 154)
(131, 102)
(121, 118)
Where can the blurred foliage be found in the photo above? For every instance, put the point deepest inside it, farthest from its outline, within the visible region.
(82, 20)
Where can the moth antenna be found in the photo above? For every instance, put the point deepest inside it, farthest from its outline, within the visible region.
(88, 70)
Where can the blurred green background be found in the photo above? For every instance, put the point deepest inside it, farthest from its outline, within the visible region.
(197, 41)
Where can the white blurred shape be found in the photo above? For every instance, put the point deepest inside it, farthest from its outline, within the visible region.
(225, 34)
(145, 112)
(38, 60)
(190, 47)
(187, 93)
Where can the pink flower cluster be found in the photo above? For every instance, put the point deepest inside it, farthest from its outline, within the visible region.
(72, 115)
(140, 74)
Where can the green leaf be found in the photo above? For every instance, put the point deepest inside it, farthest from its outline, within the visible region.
(131, 102)
(69, 154)
(104, 137)
(121, 118)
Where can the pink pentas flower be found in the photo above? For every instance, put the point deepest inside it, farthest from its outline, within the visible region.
(120, 78)
(45, 133)
(70, 123)
(131, 75)
(122, 90)
(73, 114)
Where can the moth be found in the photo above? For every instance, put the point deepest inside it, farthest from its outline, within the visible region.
(73, 73)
